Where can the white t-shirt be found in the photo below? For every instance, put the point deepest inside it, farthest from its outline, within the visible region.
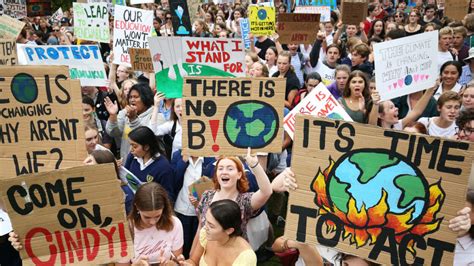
(192, 174)
(444, 57)
(436, 131)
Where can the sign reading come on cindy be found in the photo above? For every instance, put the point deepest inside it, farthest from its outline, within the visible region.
(376, 193)
(225, 116)
(406, 65)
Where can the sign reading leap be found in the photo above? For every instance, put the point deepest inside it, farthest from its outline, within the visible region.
(215, 123)
(62, 221)
(380, 194)
(91, 22)
(406, 65)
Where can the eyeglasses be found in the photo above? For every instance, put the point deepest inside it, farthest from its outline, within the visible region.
(467, 131)
(55, 29)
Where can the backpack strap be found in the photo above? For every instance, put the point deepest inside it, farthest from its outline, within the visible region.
(173, 129)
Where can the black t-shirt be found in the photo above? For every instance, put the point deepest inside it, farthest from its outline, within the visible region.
(263, 46)
(100, 109)
(292, 82)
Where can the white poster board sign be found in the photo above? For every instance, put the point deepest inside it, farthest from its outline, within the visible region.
(406, 65)
(84, 61)
(91, 22)
(325, 11)
(132, 27)
(319, 102)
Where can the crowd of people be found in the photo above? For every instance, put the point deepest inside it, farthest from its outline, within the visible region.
(133, 126)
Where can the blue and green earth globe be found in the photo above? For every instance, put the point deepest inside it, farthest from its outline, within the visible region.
(364, 174)
(24, 88)
(251, 124)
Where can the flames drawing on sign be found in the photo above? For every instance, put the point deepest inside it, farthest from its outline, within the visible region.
(371, 189)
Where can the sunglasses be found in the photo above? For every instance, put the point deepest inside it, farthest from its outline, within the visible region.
(55, 29)
(168, 18)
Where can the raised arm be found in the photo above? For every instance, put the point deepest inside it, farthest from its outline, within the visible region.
(420, 106)
(374, 113)
(264, 192)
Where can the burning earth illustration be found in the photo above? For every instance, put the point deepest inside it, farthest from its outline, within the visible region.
(370, 189)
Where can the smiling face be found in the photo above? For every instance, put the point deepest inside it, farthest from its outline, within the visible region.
(467, 133)
(150, 218)
(449, 111)
(450, 75)
(87, 111)
(227, 174)
(390, 113)
(468, 98)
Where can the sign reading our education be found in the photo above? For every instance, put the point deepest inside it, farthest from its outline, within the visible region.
(41, 121)
(67, 217)
(379, 194)
(406, 65)
(215, 123)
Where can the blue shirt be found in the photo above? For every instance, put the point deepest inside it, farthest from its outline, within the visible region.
(466, 75)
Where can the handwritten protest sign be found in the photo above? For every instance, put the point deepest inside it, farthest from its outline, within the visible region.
(324, 11)
(262, 20)
(456, 9)
(67, 217)
(417, 184)
(354, 11)
(177, 57)
(227, 115)
(84, 61)
(58, 15)
(406, 65)
(132, 27)
(10, 27)
(136, 2)
(41, 120)
(331, 3)
(7, 52)
(91, 22)
(141, 59)
(180, 18)
(319, 102)
(298, 28)
(14, 8)
(38, 8)
(245, 31)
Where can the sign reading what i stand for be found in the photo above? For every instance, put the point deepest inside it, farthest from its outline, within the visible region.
(41, 124)
(84, 61)
(67, 217)
(417, 183)
(225, 116)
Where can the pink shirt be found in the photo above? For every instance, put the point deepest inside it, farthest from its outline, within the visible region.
(151, 242)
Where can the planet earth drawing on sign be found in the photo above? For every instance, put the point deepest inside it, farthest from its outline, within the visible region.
(24, 88)
(251, 124)
(262, 14)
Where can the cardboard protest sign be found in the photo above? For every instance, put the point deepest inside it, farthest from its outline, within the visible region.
(330, 3)
(318, 102)
(177, 57)
(14, 8)
(225, 116)
(298, 28)
(324, 11)
(91, 22)
(141, 59)
(180, 18)
(456, 9)
(245, 31)
(7, 52)
(74, 216)
(38, 8)
(406, 65)
(199, 186)
(132, 27)
(380, 194)
(84, 61)
(262, 20)
(354, 11)
(10, 27)
(41, 120)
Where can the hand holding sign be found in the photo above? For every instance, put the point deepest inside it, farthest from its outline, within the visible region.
(15, 241)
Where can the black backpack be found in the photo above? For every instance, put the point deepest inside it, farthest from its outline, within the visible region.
(166, 142)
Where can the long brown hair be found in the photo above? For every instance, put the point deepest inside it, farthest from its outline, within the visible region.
(152, 197)
(347, 90)
(242, 184)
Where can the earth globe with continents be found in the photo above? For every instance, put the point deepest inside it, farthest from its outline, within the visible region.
(251, 124)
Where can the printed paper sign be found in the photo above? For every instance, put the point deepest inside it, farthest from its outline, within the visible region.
(84, 61)
(67, 217)
(383, 195)
(228, 115)
(319, 102)
(14, 8)
(298, 28)
(41, 120)
(406, 65)
(245, 31)
(8, 52)
(331, 3)
(262, 20)
(91, 22)
(324, 11)
(132, 27)
(178, 57)
(10, 28)
(141, 59)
